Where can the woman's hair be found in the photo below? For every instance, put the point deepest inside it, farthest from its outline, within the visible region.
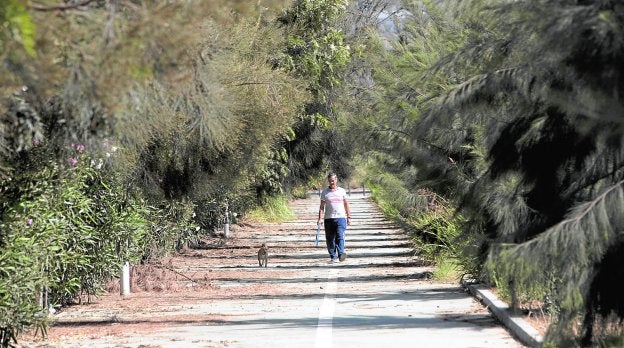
(331, 174)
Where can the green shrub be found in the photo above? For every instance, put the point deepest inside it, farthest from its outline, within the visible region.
(64, 231)
(300, 192)
(431, 221)
(171, 227)
(447, 270)
(436, 232)
(19, 279)
(273, 209)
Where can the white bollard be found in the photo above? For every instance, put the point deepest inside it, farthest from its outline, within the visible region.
(125, 280)
(226, 226)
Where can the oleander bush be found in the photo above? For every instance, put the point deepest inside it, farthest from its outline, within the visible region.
(64, 231)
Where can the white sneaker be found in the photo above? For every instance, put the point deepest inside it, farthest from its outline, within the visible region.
(333, 261)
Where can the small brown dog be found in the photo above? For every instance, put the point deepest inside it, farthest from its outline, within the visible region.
(263, 255)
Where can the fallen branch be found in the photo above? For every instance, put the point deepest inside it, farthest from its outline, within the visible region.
(176, 272)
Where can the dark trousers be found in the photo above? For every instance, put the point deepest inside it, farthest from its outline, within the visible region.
(334, 236)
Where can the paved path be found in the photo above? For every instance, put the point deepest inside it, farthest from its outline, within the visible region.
(381, 295)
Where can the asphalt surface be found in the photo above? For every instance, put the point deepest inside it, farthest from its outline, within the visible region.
(381, 295)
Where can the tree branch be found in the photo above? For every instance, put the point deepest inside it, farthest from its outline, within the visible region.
(590, 205)
(38, 7)
(387, 129)
(250, 83)
(176, 272)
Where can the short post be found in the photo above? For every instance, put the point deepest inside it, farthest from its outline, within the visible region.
(363, 191)
(349, 189)
(45, 292)
(319, 192)
(226, 226)
(125, 279)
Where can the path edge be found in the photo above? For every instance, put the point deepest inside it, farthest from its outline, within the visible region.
(519, 327)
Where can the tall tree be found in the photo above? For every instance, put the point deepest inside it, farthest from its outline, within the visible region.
(516, 108)
(315, 50)
(107, 103)
(548, 94)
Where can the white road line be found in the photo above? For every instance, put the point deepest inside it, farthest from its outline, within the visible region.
(324, 327)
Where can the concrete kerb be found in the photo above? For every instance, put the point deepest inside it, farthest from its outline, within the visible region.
(516, 324)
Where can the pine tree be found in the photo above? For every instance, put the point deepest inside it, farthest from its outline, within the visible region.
(548, 93)
(515, 109)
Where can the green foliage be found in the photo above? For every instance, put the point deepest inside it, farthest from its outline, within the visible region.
(17, 26)
(170, 228)
(270, 179)
(83, 66)
(27, 129)
(313, 16)
(19, 279)
(437, 232)
(65, 231)
(512, 114)
(447, 270)
(544, 293)
(315, 49)
(182, 111)
(272, 209)
(213, 138)
(404, 84)
(300, 192)
(384, 191)
(319, 60)
(565, 146)
(432, 222)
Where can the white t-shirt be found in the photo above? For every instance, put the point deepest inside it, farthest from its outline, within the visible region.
(334, 203)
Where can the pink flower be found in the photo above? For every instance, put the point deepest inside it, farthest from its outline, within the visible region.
(73, 161)
(29, 222)
(78, 147)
